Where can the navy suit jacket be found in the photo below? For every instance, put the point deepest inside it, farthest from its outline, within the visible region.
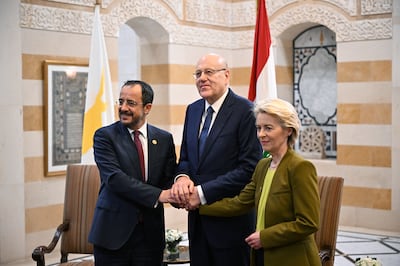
(230, 155)
(124, 198)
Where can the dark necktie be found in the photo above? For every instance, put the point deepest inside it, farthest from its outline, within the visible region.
(139, 148)
(204, 131)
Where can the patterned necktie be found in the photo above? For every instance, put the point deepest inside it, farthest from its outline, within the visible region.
(204, 131)
(139, 148)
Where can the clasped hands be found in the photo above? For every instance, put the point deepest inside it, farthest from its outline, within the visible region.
(183, 194)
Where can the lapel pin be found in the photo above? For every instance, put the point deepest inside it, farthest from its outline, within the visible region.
(154, 141)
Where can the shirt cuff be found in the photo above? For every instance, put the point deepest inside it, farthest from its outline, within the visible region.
(203, 200)
(180, 175)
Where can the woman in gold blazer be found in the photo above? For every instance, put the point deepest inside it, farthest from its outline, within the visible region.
(283, 191)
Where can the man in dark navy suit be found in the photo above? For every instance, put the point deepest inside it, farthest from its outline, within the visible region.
(219, 168)
(128, 224)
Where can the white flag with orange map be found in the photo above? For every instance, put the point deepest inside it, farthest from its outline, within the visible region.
(99, 106)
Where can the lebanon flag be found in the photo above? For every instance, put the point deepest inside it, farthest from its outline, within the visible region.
(262, 79)
(99, 106)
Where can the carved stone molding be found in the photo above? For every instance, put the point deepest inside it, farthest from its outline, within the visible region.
(218, 13)
(368, 7)
(76, 2)
(374, 7)
(176, 6)
(346, 30)
(348, 6)
(55, 19)
(212, 12)
(208, 31)
(104, 3)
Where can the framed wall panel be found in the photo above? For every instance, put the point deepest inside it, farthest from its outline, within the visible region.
(64, 103)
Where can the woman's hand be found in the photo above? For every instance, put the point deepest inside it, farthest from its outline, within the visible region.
(254, 241)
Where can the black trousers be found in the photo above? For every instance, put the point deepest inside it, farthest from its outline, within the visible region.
(202, 253)
(259, 258)
(135, 252)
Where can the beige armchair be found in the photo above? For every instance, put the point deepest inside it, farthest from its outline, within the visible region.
(81, 190)
(330, 189)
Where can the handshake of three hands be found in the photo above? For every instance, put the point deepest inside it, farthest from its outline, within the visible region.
(183, 194)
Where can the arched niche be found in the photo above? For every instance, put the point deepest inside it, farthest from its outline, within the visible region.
(142, 48)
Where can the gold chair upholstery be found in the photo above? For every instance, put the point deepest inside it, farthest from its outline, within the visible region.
(330, 190)
(81, 190)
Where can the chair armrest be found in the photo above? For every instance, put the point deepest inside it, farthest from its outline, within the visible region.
(38, 252)
(324, 255)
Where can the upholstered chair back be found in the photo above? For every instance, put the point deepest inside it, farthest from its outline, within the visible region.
(330, 190)
(81, 191)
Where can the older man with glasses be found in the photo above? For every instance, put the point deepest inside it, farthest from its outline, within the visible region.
(219, 152)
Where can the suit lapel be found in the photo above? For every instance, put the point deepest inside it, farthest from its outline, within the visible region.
(152, 143)
(193, 129)
(219, 122)
(132, 154)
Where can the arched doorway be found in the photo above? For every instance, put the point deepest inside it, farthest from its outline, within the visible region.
(142, 41)
(143, 46)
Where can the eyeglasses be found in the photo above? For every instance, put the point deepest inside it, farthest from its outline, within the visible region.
(130, 103)
(208, 72)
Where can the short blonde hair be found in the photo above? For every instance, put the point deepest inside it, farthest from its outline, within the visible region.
(284, 112)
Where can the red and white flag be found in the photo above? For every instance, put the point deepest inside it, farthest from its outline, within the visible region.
(262, 79)
(99, 106)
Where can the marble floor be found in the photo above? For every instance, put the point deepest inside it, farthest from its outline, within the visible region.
(352, 243)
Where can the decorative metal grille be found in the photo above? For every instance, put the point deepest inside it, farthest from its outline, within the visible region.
(315, 88)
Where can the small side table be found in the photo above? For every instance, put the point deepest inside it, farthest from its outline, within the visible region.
(183, 256)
